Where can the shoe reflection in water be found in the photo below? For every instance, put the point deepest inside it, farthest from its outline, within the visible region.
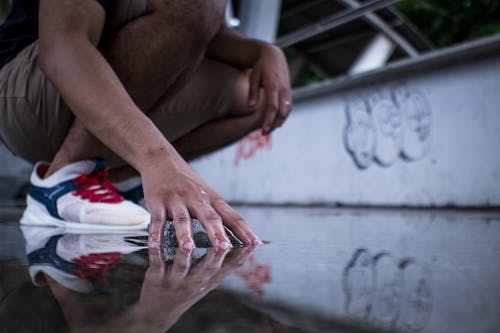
(76, 270)
(78, 262)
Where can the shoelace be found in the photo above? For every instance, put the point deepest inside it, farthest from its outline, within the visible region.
(96, 188)
(95, 266)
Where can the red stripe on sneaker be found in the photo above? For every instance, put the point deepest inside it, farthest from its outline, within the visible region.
(95, 187)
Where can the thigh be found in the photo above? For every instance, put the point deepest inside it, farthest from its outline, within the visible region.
(33, 117)
(208, 95)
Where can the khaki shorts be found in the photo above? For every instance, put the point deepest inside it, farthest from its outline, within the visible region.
(34, 119)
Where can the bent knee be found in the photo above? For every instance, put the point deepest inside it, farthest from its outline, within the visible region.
(196, 21)
(239, 103)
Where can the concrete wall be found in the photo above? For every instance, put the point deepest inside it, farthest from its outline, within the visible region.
(418, 133)
(423, 133)
(12, 166)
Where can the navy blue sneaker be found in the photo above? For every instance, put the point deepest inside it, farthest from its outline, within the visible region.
(131, 189)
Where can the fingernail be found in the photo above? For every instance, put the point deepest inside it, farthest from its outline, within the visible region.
(257, 242)
(223, 245)
(187, 245)
(154, 244)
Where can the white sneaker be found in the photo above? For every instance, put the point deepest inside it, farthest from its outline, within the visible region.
(79, 262)
(79, 196)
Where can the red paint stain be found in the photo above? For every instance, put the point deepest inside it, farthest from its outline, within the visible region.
(255, 275)
(250, 145)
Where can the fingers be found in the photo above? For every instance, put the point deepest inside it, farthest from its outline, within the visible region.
(237, 258)
(192, 198)
(157, 225)
(285, 108)
(180, 267)
(253, 95)
(212, 215)
(209, 266)
(280, 107)
(156, 265)
(233, 261)
(201, 274)
(236, 223)
(271, 108)
(182, 225)
(212, 223)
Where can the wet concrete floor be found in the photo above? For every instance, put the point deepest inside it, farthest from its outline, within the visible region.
(325, 270)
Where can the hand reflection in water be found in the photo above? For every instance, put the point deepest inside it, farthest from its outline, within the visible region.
(178, 286)
(169, 289)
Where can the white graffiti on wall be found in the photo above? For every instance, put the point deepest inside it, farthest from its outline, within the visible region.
(384, 126)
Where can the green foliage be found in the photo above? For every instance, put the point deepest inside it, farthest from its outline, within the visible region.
(308, 77)
(4, 9)
(447, 22)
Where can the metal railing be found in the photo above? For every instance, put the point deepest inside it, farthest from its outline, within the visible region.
(333, 21)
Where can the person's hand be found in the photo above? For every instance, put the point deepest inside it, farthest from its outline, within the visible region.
(270, 73)
(173, 190)
(180, 283)
(170, 289)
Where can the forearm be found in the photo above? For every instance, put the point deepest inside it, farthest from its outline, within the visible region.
(96, 96)
(231, 47)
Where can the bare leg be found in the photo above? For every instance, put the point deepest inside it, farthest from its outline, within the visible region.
(216, 134)
(78, 145)
(184, 26)
(223, 132)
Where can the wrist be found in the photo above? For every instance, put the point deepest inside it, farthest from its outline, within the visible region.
(274, 49)
(263, 48)
(159, 156)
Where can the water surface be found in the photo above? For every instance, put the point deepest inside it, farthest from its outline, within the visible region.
(325, 270)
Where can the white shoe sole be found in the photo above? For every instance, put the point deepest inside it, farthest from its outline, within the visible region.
(35, 215)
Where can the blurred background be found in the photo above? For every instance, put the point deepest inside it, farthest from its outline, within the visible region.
(396, 104)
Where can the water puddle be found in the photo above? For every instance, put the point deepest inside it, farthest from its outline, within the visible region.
(325, 270)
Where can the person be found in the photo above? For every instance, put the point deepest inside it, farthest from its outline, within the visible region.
(144, 85)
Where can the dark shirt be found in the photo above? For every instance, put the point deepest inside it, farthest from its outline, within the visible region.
(20, 28)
